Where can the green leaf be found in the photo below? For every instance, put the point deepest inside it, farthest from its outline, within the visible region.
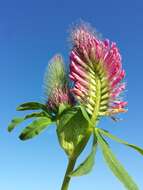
(85, 167)
(35, 114)
(31, 106)
(72, 131)
(115, 165)
(140, 150)
(35, 128)
(85, 114)
(66, 118)
(16, 121)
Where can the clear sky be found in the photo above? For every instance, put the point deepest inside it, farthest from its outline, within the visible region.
(31, 32)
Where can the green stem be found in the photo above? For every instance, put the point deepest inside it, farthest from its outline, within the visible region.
(72, 161)
(70, 168)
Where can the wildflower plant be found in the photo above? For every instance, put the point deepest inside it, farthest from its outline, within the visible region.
(77, 98)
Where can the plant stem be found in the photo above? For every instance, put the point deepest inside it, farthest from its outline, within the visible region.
(72, 160)
(70, 168)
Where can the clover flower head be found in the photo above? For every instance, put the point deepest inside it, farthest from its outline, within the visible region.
(56, 84)
(96, 70)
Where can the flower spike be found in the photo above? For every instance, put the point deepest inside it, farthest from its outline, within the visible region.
(56, 84)
(96, 69)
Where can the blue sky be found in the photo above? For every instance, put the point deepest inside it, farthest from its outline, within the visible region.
(31, 32)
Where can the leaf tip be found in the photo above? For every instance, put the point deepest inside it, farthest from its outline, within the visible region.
(22, 137)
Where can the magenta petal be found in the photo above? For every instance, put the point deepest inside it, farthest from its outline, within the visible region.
(79, 79)
(76, 92)
(119, 104)
(74, 57)
(118, 90)
(118, 79)
(72, 77)
(107, 43)
(77, 69)
(82, 88)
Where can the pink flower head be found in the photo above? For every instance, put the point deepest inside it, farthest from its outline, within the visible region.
(96, 70)
(59, 96)
(56, 84)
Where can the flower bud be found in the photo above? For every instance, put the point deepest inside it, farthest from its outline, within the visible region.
(56, 85)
